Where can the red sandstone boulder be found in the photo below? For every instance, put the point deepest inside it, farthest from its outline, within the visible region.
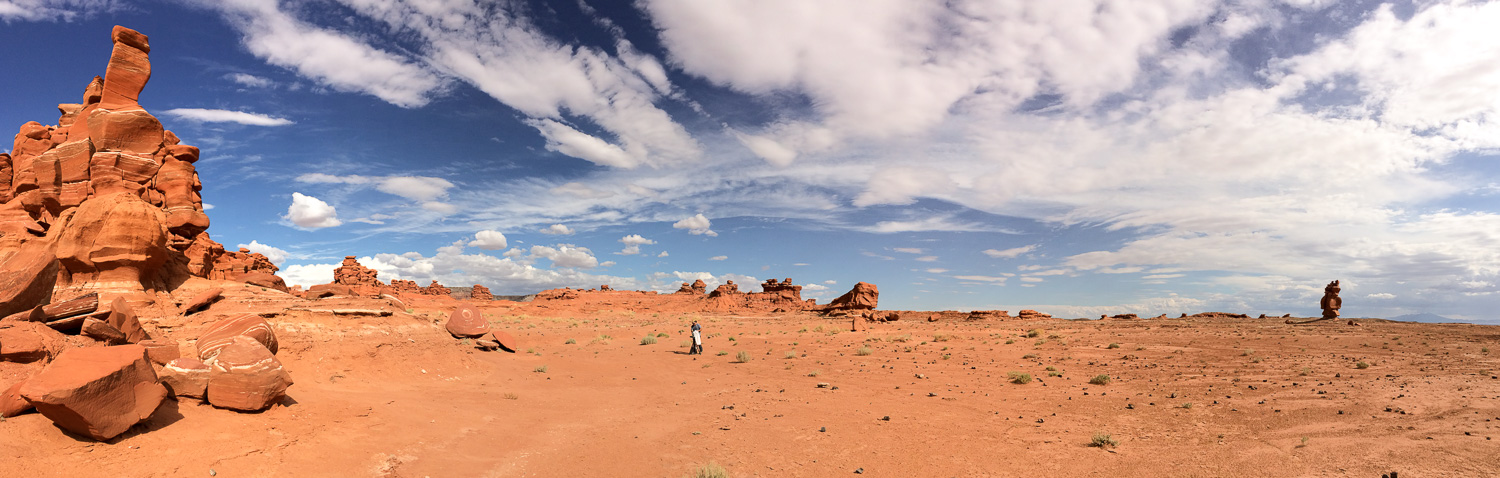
(506, 340)
(186, 377)
(29, 342)
(467, 321)
(118, 239)
(27, 280)
(864, 295)
(246, 376)
(99, 330)
(202, 300)
(161, 352)
(223, 332)
(12, 403)
(260, 278)
(123, 317)
(96, 391)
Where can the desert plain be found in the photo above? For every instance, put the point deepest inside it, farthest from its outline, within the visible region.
(583, 396)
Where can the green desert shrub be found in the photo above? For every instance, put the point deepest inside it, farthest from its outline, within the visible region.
(711, 470)
(648, 340)
(1019, 377)
(1103, 440)
(742, 357)
(863, 351)
(1101, 379)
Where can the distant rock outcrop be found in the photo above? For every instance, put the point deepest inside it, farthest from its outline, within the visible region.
(436, 289)
(480, 292)
(697, 287)
(360, 279)
(864, 295)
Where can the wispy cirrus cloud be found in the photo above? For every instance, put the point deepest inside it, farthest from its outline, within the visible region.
(227, 116)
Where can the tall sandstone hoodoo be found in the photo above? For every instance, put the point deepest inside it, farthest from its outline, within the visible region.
(111, 193)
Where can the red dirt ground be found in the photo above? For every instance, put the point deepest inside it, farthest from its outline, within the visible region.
(397, 396)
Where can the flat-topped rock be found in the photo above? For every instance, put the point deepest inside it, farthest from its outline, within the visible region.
(97, 392)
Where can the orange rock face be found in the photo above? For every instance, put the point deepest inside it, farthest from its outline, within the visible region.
(436, 289)
(27, 281)
(185, 377)
(96, 391)
(246, 376)
(117, 239)
(359, 279)
(480, 292)
(864, 295)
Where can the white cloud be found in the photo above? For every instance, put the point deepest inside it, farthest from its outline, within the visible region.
(311, 213)
(1009, 253)
(908, 250)
(556, 229)
(275, 255)
(439, 207)
(417, 188)
(566, 255)
(308, 275)
(696, 225)
(936, 270)
(52, 10)
(489, 240)
(981, 278)
(633, 244)
(928, 259)
(581, 190)
(1032, 279)
(208, 207)
(245, 79)
(718, 258)
(663, 254)
(1381, 295)
(331, 58)
(227, 116)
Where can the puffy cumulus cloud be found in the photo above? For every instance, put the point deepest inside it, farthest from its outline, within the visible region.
(556, 229)
(567, 255)
(308, 275)
(226, 116)
(489, 240)
(311, 213)
(719, 258)
(670, 281)
(633, 244)
(696, 225)
(334, 59)
(663, 254)
(274, 254)
(1009, 253)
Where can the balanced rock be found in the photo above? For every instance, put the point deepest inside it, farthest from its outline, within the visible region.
(96, 391)
(186, 377)
(864, 295)
(467, 321)
(246, 376)
(27, 281)
(223, 332)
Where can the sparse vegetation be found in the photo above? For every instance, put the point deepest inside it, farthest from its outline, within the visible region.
(863, 351)
(941, 338)
(1362, 365)
(511, 396)
(1247, 353)
(790, 355)
(1020, 378)
(1028, 356)
(1188, 405)
(648, 340)
(742, 357)
(540, 369)
(1033, 333)
(711, 470)
(1103, 440)
(814, 373)
(1051, 368)
(663, 335)
(570, 342)
(1101, 379)
(1113, 346)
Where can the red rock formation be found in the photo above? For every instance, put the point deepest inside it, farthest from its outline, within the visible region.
(406, 287)
(223, 332)
(864, 295)
(436, 289)
(96, 391)
(161, 352)
(246, 376)
(139, 222)
(728, 287)
(1028, 314)
(782, 288)
(12, 403)
(507, 341)
(185, 377)
(467, 321)
(697, 287)
(328, 290)
(360, 279)
(29, 342)
(259, 278)
(202, 300)
(480, 292)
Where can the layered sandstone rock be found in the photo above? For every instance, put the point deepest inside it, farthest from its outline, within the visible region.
(697, 287)
(783, 288)
(246, 376)
(480, 292)
(96, 391)
(359, 279)
(11, 401)
(406, 287)
(27, 281)
(864, 295)
(436, 289)
(467, 321)
(223, 332)
(202, 300)
(29, 342)
(111, 192)
(1028, 314)
(186, 377)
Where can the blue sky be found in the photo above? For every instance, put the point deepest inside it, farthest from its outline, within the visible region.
(1076, 157)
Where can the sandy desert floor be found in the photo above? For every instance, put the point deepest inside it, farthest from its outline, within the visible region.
(397, 396)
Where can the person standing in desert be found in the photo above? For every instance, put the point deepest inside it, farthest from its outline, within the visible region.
(697, 339)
